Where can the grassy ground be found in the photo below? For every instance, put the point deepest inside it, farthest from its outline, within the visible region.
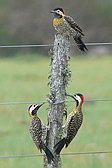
(24, 78)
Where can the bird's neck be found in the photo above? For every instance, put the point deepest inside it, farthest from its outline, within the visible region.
(58, 21)
(34, 117)
(78, 109)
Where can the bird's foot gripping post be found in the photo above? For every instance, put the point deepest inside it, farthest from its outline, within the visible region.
(59, 78)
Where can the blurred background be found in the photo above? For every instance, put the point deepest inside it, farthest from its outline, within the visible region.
(29, 22)
(24, 78)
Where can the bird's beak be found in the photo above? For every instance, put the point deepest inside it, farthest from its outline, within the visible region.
(70, 96)
(52, 11)
(38, 106)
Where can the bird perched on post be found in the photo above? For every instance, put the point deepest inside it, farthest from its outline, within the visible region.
(74, 122)
(37, 132)
(66, 25)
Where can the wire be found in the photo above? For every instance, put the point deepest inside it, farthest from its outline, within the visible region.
(63, 154)
(99, 100)
(26, 45)
(39, 102)
(18, 156)
(93, 44)
(21, 103)
(88, 153)
(47, 45)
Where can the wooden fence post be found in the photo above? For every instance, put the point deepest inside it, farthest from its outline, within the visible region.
(59, 78)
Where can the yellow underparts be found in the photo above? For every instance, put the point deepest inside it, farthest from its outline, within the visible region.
(57, 21)
(74, 111)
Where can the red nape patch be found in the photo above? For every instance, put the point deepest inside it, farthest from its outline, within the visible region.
(82, 97)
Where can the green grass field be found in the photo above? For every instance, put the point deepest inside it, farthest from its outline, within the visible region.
(25, 78)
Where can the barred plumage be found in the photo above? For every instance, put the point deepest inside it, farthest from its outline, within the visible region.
(73, 24)
(74, 122)
(36, 131)
(73, 126)
(66, 25)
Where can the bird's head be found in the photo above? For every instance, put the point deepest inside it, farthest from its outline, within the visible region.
(33, 109)
(79, 98)
(58, 12)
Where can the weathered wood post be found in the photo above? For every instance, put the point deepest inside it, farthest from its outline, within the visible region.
(59, 78)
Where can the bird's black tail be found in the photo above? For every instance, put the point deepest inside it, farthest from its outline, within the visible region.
(80, 43)
(59, 146)
(48, 153)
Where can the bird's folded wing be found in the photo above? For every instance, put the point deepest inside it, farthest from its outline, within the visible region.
(74, 25)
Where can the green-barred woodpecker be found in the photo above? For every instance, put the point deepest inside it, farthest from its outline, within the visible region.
(66, 25)
(36, 131)
(74, 122)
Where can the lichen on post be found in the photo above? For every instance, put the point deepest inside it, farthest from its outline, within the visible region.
(59, 77)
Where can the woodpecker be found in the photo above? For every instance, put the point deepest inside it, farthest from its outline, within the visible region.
(74, 122)
(37, 132)
(66, 25)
